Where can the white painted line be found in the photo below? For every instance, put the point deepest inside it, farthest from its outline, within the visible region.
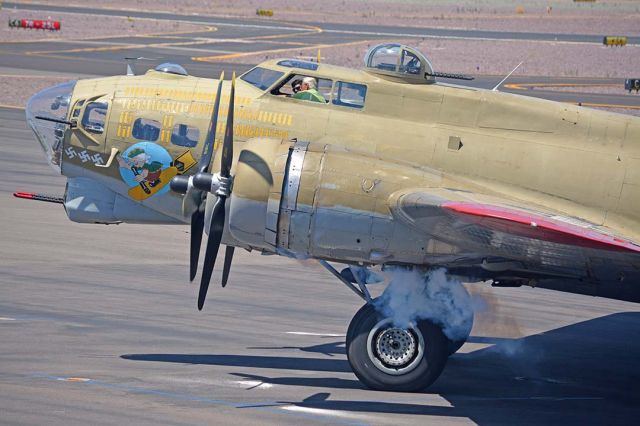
(322, 412)
(304, 333)
(73, 379)
(254, 384)
(7, 319)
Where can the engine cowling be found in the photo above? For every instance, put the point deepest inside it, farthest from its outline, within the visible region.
(305, 199)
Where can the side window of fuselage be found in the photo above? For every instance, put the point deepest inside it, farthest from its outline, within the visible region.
(185, 135)
(349, 94)
(94, 117)
(146, 130)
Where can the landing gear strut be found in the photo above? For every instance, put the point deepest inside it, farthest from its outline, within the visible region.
(387, 357)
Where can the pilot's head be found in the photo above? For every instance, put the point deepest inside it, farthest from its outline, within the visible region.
(308, 83)
(295, 85)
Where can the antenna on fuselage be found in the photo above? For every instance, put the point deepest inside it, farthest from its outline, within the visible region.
(495, 89)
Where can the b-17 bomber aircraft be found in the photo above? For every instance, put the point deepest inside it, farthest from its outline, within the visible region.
(383, 168)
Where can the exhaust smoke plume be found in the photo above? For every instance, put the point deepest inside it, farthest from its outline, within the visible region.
(412, 296)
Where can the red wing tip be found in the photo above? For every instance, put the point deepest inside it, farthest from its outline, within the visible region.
(564, 232)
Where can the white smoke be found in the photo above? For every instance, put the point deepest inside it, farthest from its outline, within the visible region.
(412, 296)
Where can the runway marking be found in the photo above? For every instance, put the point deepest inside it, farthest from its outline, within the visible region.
(312, 29)
(74, 379)
(254, 384)
(304, 333)
(121, 47)
(527, 86)
(36, 76)
(322, 411)
(270, 406)
(7, 319)
(261, 52)
(589, 104)
(11, 106)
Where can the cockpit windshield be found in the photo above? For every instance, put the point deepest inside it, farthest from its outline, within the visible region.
(52, 103)
(260, 77)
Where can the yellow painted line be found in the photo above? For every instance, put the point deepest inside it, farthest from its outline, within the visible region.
(286, 43)
(315, 30)
(36, 76)
(527, 86)
(589, 104)
(208, 29)
(11, 106)
(119, 47)
(261, 52)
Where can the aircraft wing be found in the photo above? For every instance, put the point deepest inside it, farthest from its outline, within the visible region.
(541, 238)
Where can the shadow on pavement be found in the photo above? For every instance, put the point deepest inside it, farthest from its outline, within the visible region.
(584, 373)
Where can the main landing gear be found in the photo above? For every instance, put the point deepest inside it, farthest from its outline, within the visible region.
(385, 357)
(391, 358)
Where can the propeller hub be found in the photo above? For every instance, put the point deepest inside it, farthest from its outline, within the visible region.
(205, 182)
(213, 183)
(180, 184)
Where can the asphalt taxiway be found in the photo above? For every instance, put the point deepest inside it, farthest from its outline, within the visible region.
(98, 325)
(204, 52)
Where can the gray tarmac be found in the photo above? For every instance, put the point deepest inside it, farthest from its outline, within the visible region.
(99, 325)
(105, 56)
(343, 30)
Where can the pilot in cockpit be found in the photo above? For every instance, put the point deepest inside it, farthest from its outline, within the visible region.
(308, 91)
(295, 85)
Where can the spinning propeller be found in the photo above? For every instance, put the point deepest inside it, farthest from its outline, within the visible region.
(195, 189)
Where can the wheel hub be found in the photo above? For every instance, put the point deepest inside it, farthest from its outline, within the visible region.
(395, 350)
(395, 346)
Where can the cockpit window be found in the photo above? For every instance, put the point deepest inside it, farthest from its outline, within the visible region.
(292, 63)
(410, 63)
(94, 117)
(262, 78)
(292, 87)
(349, 94)
(385, 58)
(185, 135)
(146, 130)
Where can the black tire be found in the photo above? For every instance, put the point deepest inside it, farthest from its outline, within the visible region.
(454, 345)
(425, 368)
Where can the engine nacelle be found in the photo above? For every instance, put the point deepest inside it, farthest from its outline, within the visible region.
(305, 199)
(88, 201)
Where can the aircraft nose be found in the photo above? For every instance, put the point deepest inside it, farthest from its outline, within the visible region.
(52, 103)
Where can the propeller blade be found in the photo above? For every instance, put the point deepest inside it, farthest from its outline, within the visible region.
(197, 226)
(216, 226)
(207, 149)
(193, 198)
(228, 257)
(227, 147)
